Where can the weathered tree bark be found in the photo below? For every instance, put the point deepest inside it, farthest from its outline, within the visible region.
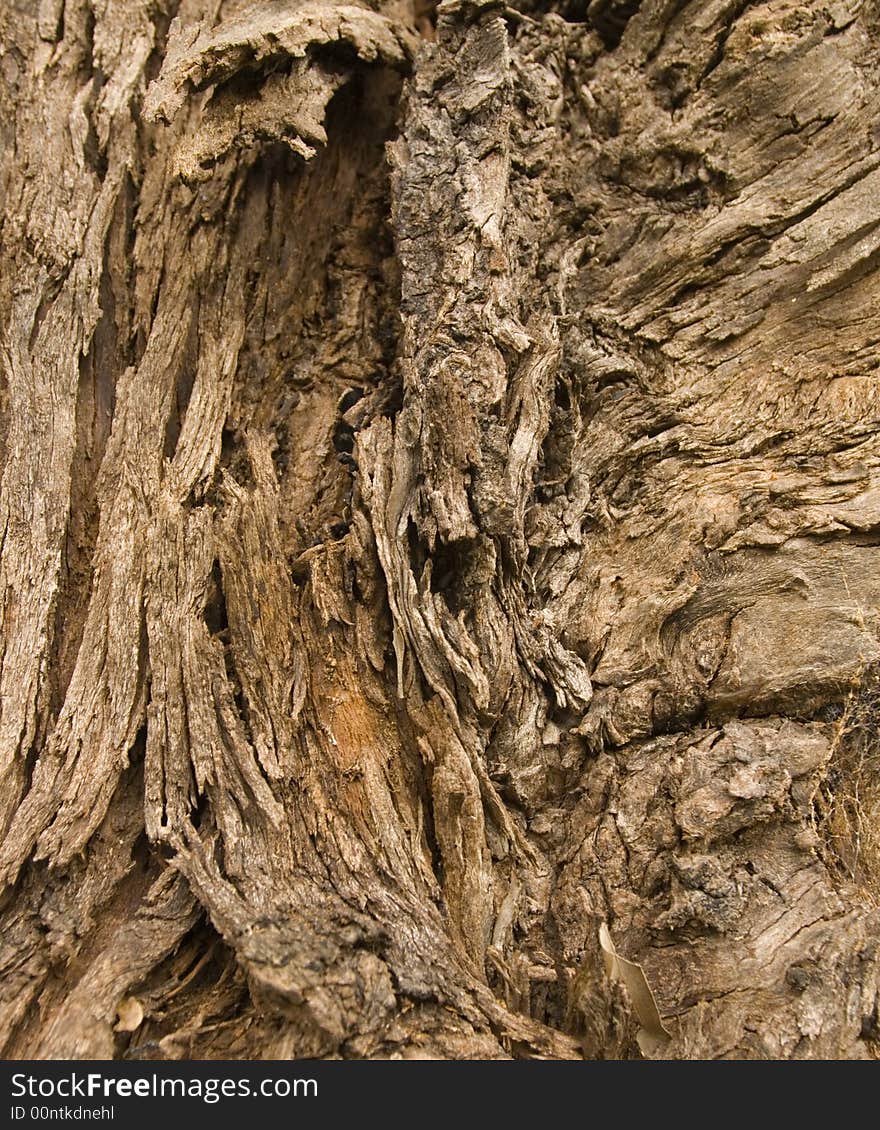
(439, 516)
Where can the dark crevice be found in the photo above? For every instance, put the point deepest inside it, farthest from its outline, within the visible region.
(322, 325)
(418, 550)
(200, 977)
(214, 613)
(95, 156)
(216, 616)
(95, 407)
(717, 55)
(162, 16)
(343, 437)
(200, 811)
(234, 457)
(610, 19)
(185, 381)
(349, 399)
(448, 566)
(51, 290)
(87, 59)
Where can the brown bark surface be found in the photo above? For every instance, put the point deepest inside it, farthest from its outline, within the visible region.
(438, 529)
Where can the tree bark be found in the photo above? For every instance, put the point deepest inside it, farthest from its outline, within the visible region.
(438, 530)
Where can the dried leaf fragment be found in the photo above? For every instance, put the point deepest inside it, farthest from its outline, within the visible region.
(652, 1037)
(130, 1015)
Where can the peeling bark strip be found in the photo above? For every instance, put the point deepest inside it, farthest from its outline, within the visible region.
(438, 529)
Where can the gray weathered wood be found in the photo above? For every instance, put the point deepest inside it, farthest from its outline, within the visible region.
(439, 515)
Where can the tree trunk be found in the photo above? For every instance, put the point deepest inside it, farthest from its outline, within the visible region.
(439, 524)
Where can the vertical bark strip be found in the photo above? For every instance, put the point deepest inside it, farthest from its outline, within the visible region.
(438, 518)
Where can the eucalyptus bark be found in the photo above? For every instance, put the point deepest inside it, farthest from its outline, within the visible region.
(439, 521)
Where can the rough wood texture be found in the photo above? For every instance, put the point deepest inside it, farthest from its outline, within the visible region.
(440, 497)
